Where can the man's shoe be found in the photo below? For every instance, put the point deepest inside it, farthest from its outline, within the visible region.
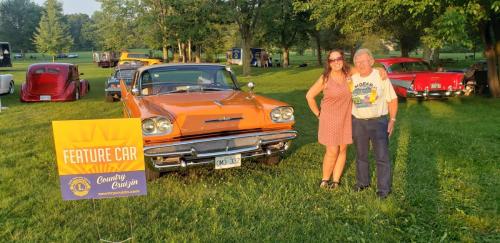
(382, 195)
(360, 188)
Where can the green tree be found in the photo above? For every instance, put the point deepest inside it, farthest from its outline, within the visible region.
(52, 35)
(116, 25)
(18, 22)
(76, 24)
(246, 13)
(283, 26)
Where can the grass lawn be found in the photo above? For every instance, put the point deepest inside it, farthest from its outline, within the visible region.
(446, 183)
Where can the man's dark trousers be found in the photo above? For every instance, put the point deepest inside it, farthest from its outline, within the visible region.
(374, 130)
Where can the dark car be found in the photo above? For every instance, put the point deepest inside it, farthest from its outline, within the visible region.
(476, 79)
(123, 72)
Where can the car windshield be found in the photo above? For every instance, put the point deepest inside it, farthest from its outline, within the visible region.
(126, 74)
(410, 67)
(185, 79)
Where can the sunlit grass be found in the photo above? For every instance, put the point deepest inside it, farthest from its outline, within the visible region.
(446, 179)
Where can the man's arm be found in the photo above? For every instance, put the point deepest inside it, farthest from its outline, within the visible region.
(393, 111)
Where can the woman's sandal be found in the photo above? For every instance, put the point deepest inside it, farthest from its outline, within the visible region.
(335, 184)
(325, 184)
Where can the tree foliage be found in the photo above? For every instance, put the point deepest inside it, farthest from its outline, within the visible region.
(18, 22)
(52, 35)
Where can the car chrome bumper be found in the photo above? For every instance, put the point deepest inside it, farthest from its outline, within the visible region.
(198, 152)
(433, 94)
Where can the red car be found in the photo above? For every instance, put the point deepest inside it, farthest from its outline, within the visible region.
(413, 78)
(53, 82)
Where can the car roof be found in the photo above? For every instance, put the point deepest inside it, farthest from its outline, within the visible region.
(56, 64)
(392, 60)
(144, 68)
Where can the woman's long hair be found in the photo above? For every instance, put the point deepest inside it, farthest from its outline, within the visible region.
(345, 66)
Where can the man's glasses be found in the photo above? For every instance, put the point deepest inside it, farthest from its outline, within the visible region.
(338, 59)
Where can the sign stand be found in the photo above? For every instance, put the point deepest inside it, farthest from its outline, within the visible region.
(2, 107)
(99, 233)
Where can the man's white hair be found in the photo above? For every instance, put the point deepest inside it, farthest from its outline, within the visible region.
(362, 51)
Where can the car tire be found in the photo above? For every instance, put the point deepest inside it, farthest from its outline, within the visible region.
(109, 98)
(11, 87)
(274, 159)
(151, 174)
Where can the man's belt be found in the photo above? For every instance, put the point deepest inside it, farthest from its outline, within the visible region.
(371, 118)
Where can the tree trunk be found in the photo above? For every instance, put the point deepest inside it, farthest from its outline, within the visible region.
(180, 50)
(490, 33)
(317, 38)
(286, 57)
(405, 51)
(165, 53)
(198, 54)
(246, 56)
(190, 59)
(427, 54)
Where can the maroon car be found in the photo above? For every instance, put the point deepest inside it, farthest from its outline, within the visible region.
(413, 78)
(53, 82)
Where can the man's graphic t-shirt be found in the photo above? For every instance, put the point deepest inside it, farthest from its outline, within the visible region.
(370, 95)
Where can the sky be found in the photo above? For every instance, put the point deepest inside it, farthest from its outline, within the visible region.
(76, 6)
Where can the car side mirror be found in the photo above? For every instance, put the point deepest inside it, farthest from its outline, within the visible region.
(135, 91)
(251, 85)
(81, 74)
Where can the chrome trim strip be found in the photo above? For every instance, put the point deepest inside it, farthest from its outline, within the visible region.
(292, 133)
(401, 83)
(224, 119)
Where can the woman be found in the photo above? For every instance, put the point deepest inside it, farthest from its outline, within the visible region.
(335, 130)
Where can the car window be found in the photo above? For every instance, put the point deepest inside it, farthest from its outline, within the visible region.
(397, 67)
(166, 80)
(417, 66)
(124, 74)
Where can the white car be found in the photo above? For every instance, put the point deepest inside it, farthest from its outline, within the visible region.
(6, 84)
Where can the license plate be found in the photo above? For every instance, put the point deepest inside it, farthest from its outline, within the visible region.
(229, 161)
(45, 97)
(435, 86)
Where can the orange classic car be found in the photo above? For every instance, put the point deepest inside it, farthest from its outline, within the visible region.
(196, 114)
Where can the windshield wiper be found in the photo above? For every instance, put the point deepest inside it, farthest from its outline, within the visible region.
(175, 91)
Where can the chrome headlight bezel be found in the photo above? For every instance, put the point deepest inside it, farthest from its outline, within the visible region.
(282, 114)
(155, 126)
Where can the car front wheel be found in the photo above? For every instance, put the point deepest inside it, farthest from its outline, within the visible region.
(11, 87)
(151, 174)
(274, 159)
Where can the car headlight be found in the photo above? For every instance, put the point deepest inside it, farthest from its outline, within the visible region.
(157, 126)
(282, 114)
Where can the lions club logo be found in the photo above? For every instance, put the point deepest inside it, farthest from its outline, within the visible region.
(80, 186)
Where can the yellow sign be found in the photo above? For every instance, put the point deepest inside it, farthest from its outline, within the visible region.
(100, 158)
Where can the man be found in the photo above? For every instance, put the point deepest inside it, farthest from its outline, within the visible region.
(374, 109)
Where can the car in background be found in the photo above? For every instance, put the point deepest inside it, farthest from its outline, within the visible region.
(414, 78)
(196, 115)
(72, 55)
(53, 82)
(123, 72)
(62, 55)
(476, 79)
(133, 57)
(18, 55)
(105, 59)
(6, 84)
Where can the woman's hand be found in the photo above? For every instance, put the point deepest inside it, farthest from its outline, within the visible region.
(382, 73)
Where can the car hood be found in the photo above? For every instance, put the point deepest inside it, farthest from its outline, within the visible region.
(207, 112)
